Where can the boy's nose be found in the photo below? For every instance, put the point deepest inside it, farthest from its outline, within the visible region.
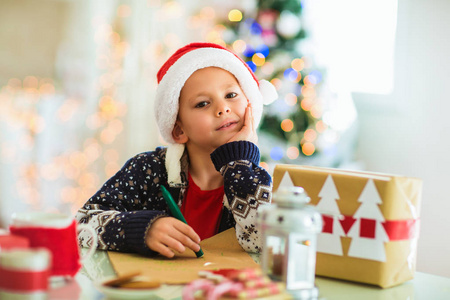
(226, 110)
(222, 109)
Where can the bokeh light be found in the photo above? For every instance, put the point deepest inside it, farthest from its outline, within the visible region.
(277, 83)
(321, 126)
(287, 125)
(290, 99)
(235, 15)
(15, 83)
(30, 82)
(258, 59)
(47, 88)
(276, 153)
(171, 10)
(264, 165)
(316, 111)
(251, 65)
(249, 51)
(292, 152)
(267, 68)
(310, 135)
(291, 74)
(239, 46)
(208, 13)
(308, 91)
(308, 148)
(307, 103)
(263, 49)
(310, 80)
(317, 75)
(298, 64)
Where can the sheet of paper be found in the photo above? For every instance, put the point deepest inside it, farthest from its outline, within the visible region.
(221, 251)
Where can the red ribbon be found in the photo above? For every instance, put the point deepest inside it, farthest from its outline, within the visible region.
(402, 229)
(24, 280)
(327, 224)
(367, 228)
(396, 230)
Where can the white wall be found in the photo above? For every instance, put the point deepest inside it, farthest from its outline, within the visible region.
(408, 132)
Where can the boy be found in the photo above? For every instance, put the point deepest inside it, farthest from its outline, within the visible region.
(208, 105)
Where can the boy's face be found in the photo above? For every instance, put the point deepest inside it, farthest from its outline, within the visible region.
(211, 110)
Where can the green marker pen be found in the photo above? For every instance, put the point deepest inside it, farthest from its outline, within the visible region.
(173, 207)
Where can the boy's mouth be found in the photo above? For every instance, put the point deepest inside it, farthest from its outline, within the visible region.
(227, 124)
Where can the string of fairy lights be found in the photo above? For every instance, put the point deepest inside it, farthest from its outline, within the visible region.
(76, 171)
(18, 106)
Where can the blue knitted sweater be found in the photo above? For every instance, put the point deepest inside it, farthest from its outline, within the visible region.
(125, 207)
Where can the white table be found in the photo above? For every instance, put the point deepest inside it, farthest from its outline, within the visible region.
(422, 287)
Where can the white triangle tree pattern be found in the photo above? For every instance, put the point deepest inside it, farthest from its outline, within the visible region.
(329, 241)
(286, 180)
(369, 242)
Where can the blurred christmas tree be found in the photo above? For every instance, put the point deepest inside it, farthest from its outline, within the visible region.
(295, 128)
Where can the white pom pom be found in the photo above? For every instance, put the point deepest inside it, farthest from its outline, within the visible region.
(268, 92)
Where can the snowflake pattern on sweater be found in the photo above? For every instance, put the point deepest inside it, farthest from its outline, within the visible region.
(125, 207)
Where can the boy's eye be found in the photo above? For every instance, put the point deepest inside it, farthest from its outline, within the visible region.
(201, 104)
(231, 95)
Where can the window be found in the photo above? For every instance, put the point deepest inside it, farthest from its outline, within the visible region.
(354, 40)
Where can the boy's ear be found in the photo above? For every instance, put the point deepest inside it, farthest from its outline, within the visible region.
(178, 134)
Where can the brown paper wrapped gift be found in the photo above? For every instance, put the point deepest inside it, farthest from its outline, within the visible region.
(371, 222)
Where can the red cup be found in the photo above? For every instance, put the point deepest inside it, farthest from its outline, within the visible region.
(58, 233)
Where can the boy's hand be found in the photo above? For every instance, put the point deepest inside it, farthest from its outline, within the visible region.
(248, 131)
(168, 234)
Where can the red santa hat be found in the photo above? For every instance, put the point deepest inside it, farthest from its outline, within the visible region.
(174, 73)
